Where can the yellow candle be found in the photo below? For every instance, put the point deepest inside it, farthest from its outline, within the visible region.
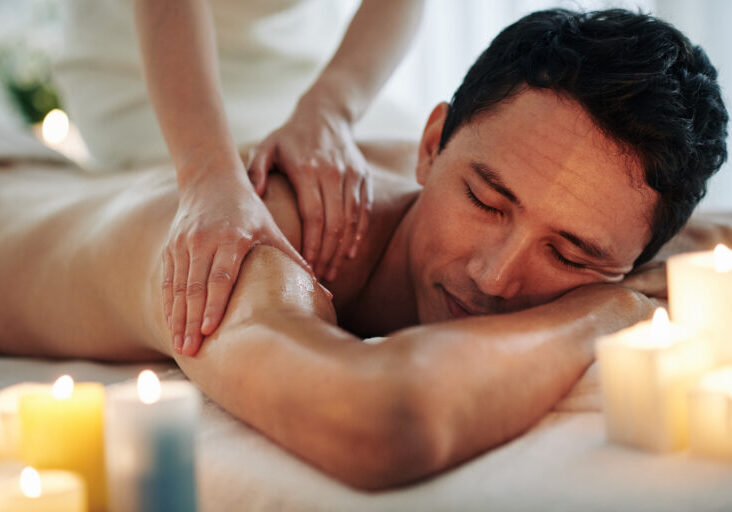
(646, 372)
(710, 414)
(700, 294)
(62, 428)
(45, 491)
(9, 421)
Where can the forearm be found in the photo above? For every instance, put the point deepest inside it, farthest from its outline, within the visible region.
(177, 41)
(488, 379)
(374, 44)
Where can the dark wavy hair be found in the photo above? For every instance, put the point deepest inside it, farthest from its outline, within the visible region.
(640, 79)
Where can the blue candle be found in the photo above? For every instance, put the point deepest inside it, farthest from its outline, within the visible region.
(150, 445)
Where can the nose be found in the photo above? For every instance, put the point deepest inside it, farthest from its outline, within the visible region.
(496, 269)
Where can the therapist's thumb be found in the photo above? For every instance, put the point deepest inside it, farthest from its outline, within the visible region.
(260, 166)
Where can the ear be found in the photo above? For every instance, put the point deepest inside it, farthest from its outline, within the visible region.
(429, 146)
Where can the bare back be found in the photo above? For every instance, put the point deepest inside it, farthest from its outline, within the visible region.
(80, 254)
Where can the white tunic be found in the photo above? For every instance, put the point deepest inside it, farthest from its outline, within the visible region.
(270, 51)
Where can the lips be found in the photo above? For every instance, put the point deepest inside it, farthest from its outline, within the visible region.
(455, 307)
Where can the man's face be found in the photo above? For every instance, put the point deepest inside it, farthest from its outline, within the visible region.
(523, 204)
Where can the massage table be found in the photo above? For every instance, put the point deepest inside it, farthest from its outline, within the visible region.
(562, 463)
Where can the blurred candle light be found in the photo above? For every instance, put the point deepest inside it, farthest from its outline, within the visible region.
(700, 294)
(722, 258)
(150, 445)
(63, 388)
(55, 127)
(148, 387)
(30, 482)
(61, 427)
(646, 372)
(710, 415)
(44, 491)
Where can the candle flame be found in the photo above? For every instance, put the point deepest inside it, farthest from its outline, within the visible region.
(63, 387)
(660, 327)
(55, 127)
(722, 258)
(30, 482)
(148, 387)
(719, 381)
(660, 319)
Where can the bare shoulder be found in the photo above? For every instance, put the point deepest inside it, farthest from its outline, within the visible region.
(396, 157)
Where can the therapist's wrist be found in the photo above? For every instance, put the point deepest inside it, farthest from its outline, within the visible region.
(330, 98)
(210, 164)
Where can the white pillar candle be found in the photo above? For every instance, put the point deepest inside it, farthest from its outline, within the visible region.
(710, 414)
(700, 296)
(44, 491)
(150, 445)
(646, 372)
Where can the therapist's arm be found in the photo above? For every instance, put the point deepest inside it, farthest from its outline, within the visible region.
(423, 400)
(219, 214)
(315, 148)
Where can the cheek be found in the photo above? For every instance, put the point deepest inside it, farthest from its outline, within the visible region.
(445, 232)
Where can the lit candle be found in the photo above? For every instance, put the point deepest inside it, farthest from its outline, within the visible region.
(62, 428)
(45, 491)
(646, 372)
(150, 439)
(700, 294)
(9, 421)
(710, 414)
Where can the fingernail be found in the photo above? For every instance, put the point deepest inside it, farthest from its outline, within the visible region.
(352, 252)
(178, 343)
(207, 321)
(332, 273)
(186, 343)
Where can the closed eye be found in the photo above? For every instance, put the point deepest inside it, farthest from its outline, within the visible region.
(480, 204)
(564, 261)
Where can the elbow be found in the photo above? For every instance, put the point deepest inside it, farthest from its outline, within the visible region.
(397, 443)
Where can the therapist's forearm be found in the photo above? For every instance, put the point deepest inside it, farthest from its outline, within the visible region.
(376, 40)
(177, 42)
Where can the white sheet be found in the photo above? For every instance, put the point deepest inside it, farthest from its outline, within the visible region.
(563, 463)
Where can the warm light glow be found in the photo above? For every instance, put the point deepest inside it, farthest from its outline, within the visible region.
(63, 387)
(719, 381)
(661, 327)
(30, 482)
(722, 258)
(148, 387)
(55, 127)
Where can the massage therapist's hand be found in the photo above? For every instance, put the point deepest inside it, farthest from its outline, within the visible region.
(316, 150)
(219, 219)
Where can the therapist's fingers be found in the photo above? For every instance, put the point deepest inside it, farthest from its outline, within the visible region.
(180, 285)
(261, 164)
(310, 205)
(198, 272)
(224, 271)
(350, 220)
(331, 190)
(366, 206)
(167, 285)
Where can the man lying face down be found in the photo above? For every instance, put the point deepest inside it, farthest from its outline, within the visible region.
(577, 145)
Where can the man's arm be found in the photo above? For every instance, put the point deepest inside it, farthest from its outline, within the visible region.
(423, 400)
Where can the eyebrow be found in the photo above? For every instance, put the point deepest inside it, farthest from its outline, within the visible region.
(586, 246)
(493, 180)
